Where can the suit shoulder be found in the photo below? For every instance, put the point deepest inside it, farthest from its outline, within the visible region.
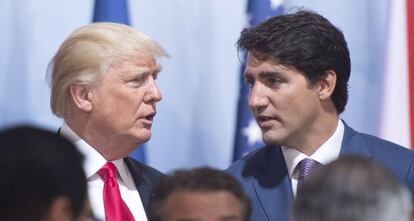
(385, 147)
(248, 160)
(149, 172)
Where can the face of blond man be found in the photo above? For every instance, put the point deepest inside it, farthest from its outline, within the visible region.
(124, 102)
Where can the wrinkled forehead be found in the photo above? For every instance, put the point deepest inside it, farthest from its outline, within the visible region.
(134, 63)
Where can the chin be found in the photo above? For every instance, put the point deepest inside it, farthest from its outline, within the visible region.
(270, 139)
(142, 136)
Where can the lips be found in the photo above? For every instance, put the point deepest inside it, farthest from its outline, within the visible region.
(148, 119)
(265, 121)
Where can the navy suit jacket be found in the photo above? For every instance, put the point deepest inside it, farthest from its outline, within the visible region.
(145, 179)
(264, 176)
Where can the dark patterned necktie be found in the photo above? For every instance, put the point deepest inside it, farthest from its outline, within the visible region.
(306, 167)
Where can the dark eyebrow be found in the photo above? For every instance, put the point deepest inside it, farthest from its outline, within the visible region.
(247, 75)
(269, 74)
(264, 74)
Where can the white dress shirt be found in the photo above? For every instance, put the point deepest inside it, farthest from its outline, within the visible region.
(92, 163)
(326, 153)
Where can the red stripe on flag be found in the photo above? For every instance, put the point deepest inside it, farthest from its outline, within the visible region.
(410, 57)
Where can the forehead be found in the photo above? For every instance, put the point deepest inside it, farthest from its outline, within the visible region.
(258, 66)
(133, 65)
(189, 205)
(139, 62)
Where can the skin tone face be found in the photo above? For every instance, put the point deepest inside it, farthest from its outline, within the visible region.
(61, 210)
(86, 214)
(202, 206)
(288, 109)
(124, 106)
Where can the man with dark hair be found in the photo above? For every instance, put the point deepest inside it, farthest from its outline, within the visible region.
(298, 67)
(199, 194)
(352, 188)
(42, 177)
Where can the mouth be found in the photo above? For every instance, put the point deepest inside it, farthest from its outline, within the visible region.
(265, 121)
(149, 118)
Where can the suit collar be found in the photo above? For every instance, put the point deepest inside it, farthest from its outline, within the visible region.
(142, 182)
(354, 144)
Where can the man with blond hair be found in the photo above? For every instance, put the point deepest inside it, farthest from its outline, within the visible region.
(103, 84)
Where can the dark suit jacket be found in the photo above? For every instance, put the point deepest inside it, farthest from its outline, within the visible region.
(264, 176)
(145, 178)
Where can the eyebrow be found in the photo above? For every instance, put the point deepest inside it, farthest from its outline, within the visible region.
(142, 71)
(263, 74)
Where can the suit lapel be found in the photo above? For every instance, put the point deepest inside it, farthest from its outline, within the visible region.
(354, 144)
(273, 186)
(142, 183)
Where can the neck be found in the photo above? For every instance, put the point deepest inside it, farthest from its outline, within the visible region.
(105, 142)
(318, 131)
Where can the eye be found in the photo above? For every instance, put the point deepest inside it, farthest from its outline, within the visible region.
(136, 81)
(155, 76)
(249, 81)
(273, 82)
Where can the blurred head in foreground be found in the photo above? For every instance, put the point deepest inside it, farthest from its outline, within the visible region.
(42, 177)
(352, 188)
(201, 194)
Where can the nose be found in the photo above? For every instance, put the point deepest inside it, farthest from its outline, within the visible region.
(153, 94)
(258, 99)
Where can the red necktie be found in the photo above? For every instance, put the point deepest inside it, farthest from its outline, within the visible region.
(115, 208)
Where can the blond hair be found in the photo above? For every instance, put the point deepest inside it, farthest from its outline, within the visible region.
(87, 53)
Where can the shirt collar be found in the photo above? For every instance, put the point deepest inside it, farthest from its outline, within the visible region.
(94, 160)
(326, 153)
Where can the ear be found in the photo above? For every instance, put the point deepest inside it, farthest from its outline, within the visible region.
(60, 210)
(82, 97)
(327, 85)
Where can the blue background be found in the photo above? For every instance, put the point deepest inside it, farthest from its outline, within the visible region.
(196, 119)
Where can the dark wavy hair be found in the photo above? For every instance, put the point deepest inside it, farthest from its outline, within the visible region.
(308, 42)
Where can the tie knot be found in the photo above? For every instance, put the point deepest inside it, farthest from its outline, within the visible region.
(306, 166)
(108, 171)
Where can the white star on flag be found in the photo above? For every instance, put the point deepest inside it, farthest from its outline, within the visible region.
(252, 132)
(275, 3)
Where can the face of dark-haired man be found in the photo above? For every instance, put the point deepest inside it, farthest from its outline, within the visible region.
(287, 107)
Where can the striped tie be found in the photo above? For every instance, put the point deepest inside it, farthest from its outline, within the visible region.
(306, 166)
